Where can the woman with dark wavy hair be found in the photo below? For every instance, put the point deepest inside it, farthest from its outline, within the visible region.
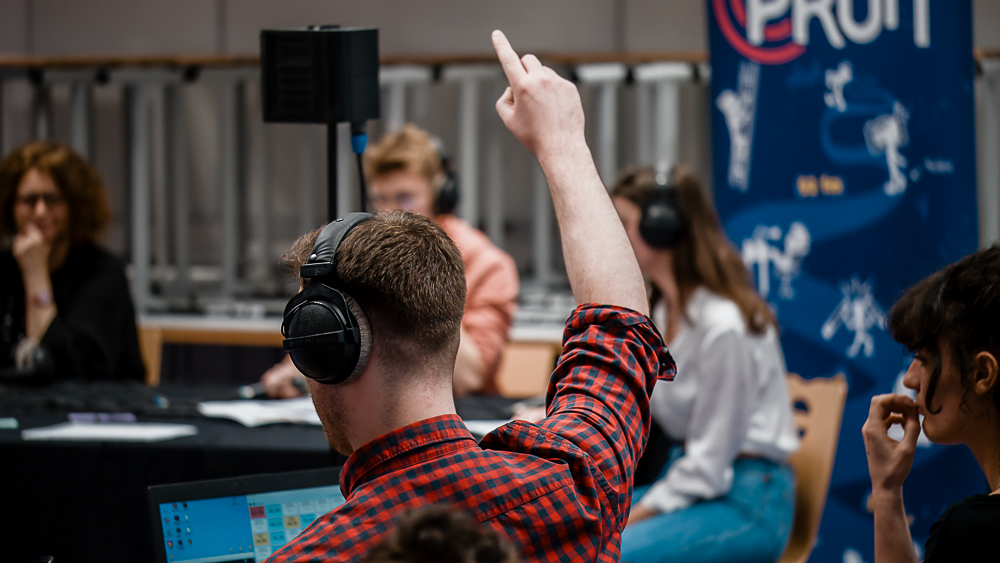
(951, 322)
(726, 492)
(64, 301)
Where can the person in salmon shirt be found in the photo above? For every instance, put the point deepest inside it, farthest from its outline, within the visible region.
(409, 170)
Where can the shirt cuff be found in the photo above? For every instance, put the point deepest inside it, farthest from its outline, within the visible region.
(609, 316)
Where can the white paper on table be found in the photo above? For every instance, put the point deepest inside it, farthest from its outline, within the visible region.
(483, 427)
(110, 432)
(256, 413)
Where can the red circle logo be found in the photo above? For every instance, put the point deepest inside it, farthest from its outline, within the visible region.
(778, 48)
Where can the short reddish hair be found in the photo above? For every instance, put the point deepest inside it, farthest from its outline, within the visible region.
(410, 149)
(407, 276)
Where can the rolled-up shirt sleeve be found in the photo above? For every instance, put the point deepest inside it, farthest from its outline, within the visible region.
(598, 396)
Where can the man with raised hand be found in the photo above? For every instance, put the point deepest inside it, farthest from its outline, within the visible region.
(560, 489)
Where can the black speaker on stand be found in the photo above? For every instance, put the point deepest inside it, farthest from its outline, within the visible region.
(322, 74)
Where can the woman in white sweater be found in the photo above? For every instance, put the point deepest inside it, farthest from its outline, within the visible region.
(726, 492)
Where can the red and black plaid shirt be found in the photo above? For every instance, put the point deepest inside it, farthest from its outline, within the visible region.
(560, 489)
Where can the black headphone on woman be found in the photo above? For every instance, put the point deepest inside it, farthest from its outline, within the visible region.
(661, 224)
(326, 333)
(447, 194)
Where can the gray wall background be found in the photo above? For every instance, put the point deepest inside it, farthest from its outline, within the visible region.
(430, 26)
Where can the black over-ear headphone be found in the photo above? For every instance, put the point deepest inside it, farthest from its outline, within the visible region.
(447, 195)
(661, 224)
(326, 333)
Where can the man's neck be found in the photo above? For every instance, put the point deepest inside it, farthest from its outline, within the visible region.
(374, 410)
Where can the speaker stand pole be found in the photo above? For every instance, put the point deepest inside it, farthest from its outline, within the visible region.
(331, 171)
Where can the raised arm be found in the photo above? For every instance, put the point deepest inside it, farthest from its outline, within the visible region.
(544, 112)
(889, 463)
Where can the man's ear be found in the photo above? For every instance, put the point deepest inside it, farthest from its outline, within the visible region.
(987, 371)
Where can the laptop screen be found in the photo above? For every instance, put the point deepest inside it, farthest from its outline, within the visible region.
(238, 519)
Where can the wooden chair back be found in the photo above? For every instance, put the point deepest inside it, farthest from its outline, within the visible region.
(151, 348)
(525, 368)
(819, 408)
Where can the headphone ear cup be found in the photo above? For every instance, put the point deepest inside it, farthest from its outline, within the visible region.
(327, 336)
(661, 224)
(447, 197)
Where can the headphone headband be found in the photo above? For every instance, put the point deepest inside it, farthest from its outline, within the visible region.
(446, 198)
(321, 260)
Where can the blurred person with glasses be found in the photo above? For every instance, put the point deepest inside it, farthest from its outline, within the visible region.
(65, 307)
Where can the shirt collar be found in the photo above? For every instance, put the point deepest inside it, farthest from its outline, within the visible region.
(403, 447)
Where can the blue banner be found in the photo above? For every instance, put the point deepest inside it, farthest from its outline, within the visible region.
(844, 165)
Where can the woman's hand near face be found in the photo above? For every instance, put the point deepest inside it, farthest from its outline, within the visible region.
(889, 461)
(31, 251)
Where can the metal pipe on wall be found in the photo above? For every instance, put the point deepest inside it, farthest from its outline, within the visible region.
(666, 79)
(229, 102)
(160, 158)
(607, 77)
(469, 78)
(643, 123)
(177, 185)
(989, 155)
(80, 100)
(260, 258)
(140, 85)
(495, 187)
(41, 110)
(140, 178)
(308, 165)
(395, 79)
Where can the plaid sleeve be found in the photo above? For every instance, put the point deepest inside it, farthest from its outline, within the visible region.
(598, 396)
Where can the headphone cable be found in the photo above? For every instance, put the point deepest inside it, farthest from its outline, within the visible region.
(358, 141)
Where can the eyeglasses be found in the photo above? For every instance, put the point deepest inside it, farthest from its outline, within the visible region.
(50, 199)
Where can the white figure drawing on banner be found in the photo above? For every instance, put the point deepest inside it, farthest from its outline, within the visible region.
(885, 135)
(740, 110)
(896, 431)
(858, 312)
(835, 81)
(757, 251)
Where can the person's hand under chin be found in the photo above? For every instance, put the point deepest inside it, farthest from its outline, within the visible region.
(31, 249)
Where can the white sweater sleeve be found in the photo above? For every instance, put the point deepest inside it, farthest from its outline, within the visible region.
(718, 424)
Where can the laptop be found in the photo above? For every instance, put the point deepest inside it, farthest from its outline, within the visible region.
(243, 519)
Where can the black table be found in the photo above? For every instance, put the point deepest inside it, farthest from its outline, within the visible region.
(86, 501)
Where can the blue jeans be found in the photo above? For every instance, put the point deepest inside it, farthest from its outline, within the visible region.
(750, 524)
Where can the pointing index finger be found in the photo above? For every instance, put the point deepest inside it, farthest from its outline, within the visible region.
(509, 60)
